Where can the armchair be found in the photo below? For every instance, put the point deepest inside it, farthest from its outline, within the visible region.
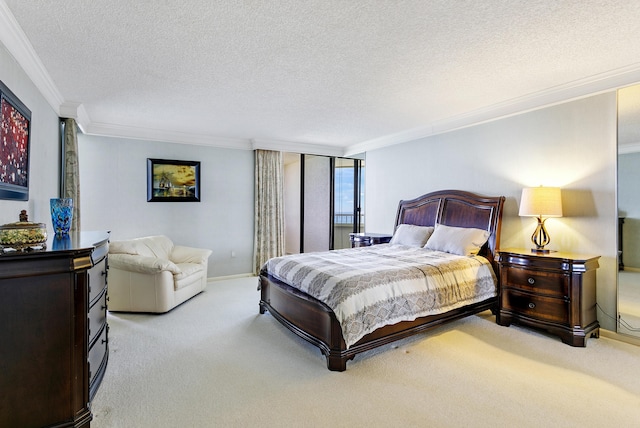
(151, 274)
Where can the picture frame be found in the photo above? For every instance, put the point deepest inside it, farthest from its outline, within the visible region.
(15, 142)
(173, 180)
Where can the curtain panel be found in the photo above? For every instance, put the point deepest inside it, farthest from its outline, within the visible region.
(269, 207)
(71, 171)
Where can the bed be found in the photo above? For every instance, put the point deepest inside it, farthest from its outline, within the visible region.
(316, 322)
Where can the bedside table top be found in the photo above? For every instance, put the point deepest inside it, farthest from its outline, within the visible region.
(370, 235)
(559, 255)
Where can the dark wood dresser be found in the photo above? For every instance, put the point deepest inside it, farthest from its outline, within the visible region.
(53, 331)
(554, 291)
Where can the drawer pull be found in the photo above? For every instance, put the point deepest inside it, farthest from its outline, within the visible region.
(532, 305)
(103, 273)
(531, 281)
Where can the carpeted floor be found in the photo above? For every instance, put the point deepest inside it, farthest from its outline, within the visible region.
(215, 362)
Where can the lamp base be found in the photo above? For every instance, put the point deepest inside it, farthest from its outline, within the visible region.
(542, 251)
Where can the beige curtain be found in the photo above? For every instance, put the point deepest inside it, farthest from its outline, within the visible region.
(269, 207)
(71, 173)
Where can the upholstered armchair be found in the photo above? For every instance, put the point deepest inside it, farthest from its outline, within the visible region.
(151, 274)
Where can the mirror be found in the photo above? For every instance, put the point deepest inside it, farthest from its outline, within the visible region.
(629, 210)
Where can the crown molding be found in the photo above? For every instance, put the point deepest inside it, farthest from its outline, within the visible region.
(293, 147)
(132, 132)
(593, 85)
(69, 109)
(18, 45)
(75, 110)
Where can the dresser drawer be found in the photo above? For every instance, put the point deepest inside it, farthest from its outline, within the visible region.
(97, 315)
(97, 280)
(547, 283)
(542, 308)
(98, 353)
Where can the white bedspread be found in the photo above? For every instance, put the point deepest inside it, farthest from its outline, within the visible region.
(370, 287)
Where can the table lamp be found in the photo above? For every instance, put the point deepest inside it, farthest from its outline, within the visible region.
(542, 203)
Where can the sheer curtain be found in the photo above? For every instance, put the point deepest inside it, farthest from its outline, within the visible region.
(71, 172)
(269, 207)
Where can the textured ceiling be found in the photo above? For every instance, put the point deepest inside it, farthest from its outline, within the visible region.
(335, 74)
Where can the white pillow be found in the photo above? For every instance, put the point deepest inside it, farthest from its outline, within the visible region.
(411, 235)
(464, 241)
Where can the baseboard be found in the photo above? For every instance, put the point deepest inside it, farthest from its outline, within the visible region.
(621, 337)
(223, 278)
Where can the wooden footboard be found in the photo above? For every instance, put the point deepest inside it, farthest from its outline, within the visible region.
(315, 322)
(305, 316)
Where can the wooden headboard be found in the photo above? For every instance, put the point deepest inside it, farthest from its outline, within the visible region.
(456, 208)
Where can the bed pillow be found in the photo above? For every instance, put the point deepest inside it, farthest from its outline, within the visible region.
(411, 235)
(464, 241)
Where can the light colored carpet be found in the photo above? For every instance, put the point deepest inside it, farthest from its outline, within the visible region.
(215, 362)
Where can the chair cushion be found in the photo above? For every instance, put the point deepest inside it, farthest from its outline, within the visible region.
(189, 272)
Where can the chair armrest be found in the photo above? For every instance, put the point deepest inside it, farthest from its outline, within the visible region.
(181, 254)
(141, 264)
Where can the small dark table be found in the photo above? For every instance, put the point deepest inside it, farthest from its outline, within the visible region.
(554, 291)
(367, 239)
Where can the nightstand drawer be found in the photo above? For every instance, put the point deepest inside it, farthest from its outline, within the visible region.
(551, 284)
(542, 308)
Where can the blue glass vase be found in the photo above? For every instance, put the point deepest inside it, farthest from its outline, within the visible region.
(61, 215)
(61, 242)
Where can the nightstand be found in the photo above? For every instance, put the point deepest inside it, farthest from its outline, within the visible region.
(367, 239)
(555, 292)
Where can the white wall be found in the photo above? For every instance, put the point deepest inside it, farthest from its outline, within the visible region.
(572, 145)
(113, 184)
(44, 154)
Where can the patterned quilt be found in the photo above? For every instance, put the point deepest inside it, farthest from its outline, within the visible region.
(370, 287)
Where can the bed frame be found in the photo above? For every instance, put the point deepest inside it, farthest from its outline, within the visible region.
(315, 322)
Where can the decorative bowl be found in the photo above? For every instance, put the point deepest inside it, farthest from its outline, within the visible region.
(22, 235)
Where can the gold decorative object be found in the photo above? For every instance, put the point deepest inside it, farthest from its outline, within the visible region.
(23, 235)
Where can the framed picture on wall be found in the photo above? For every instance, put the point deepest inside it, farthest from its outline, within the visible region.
(15, 123)
(173, 180)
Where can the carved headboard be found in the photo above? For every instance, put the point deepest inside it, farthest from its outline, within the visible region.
(456, 208)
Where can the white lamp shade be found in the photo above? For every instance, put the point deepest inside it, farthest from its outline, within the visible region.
(541, 202)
